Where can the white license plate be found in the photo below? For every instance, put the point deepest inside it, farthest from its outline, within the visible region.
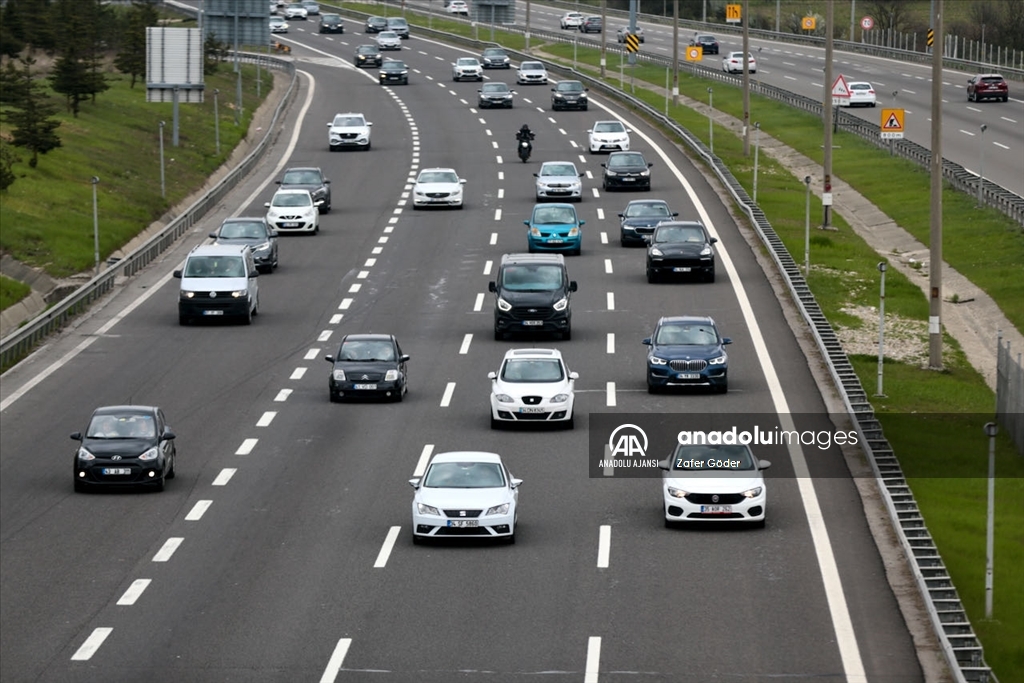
(213, 312)
(629, 180)
(117, 470)
(716, 509)
(681, 269)
(688, 375)
(364, 386)
(531, 410)
(556, 241)
(533, 323)
(463, 523)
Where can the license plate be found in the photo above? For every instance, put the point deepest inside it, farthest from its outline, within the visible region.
(533, 323)
(681, 269)
(213, 312)
(364, 386)
(290, 225)
(463, 523)
(531, 410)
(716, 509)
(688, 375)
(629, 180)
(117, 470)
(556, 241)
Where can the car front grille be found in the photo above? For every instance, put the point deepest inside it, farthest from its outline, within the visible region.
(347, 136)
(462, 514)
(290, 218)
(688, 365)
(707, 498)
(438, 195)
(531, 313)
(471, 531)
(682, 262)
(364, 376)
(532, 400)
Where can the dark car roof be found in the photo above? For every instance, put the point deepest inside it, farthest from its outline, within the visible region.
(367, 48)
(393, 63)
(632, 158)
(126, 410)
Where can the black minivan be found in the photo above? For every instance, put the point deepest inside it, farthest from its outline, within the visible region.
(532, 294)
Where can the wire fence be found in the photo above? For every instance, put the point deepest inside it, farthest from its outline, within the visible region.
(1010, 393)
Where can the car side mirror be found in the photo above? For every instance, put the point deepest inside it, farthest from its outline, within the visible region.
(649, 165)
(573, 286)
(646, 342)
(535, 175)
(582, 223)
(580, 175)
(368, 123)
(663, 464)
(326, 181)
(479, 90)
(254, 273)
(415, 483)
(763, 464)
(278, 182)
(515, 483)
(574, 375)
(726, 340)
(272, 234)
(213, 235)
(713, 240)
(329, 359)
(492, 287)
(648, 239)
(177, 274)
(590, 130)
(621, 215)
(604, 166)
(526, 223)
(586, 90)
(77, 436)
(462, 181)
(168, 435)
(492, 376)
(404, 357)
(266, 204)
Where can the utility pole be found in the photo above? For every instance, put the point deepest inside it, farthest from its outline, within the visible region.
(604, 32)
(675, 51)
(827, 109)
(853, 12)
(632, 29)
(746, 78)
(935, 233)
(528, 26)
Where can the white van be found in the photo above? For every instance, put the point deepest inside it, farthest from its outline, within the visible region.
(217, 281)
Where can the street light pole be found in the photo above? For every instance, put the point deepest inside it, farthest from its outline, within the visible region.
(807, 229)
(95, 224)
(991, 429)
(757, 147)
(711, 120)
(882, 265)
(675, 51)
(216, 120)
(604, 43)
(981, 162)
(163, 185)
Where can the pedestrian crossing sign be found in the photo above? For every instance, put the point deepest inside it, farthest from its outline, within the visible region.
(892, 124)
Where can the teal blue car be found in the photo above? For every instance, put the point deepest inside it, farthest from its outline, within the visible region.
(554, 228)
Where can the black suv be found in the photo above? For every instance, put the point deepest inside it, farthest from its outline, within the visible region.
(592, 25)
(368, 365)
(569, 95)
(532, 294)
(394, 71)
(680, 248)
(331, 23)
(368, 55)
(627, 170)
(308, 178)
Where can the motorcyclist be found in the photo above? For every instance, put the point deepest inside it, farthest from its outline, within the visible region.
(524, 134)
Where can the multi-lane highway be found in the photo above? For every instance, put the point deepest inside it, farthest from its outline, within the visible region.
(282, 552)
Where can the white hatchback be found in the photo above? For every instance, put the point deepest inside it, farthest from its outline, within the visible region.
(733, 63)
(862, 94)
(608, 136)
(438, 187)
(703, 483)
(571, 20)
(294, 211)
(533, 385)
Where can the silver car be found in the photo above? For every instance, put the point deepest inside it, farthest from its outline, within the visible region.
(389, 40)
(532, 73)
(559, 180)
(467, 67)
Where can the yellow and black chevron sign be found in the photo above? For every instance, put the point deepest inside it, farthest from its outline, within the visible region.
(931, 37)
(632, 43)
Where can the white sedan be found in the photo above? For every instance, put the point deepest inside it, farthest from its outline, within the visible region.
(458, 7)
(438, 187)
(533, 385)
(714, 483)
(295, 11)
(862, 94)
(294, 211)
(389, 40)
(465, 493)
(608, 136)
(733, 63)
(571, 20)
(278, 25)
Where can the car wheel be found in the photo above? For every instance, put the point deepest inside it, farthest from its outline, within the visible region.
(316, 230)
(722, 388)
(459, 207)
(759, 524)
(367, 148)
(324, 208)
(651, 389)
(577, 251)
(416, 540)
(669, 524)
(158, 486)
(498, 335)
(335, 398)
(247, 317)
(1006, 98)
(584, 107)
(79, 486)
(171, 473)
(571, 422)
(567, 334)
(710, 277)
(511, 538)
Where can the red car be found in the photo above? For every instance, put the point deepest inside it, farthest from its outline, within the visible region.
(987, 86)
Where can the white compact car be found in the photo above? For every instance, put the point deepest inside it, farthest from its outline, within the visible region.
(389, 40)
(733, 63)
(560, 181)
(465, 494)
(278, 25)
(532, 73)
(438, 187)
(862, 94)
(348, 130)
(295, 11)
(533, 385)
(571, 20)
(608, 136)
(714, 483)
(467, 67)
(294, 211)
(458, 7)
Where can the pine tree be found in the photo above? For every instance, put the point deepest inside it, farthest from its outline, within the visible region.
(131, 59)
(29, 111)
(8, 158)
(76, 73)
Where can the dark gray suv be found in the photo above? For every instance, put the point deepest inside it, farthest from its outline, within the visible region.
(309, 178)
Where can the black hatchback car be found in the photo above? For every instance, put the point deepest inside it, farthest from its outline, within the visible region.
(254, 232)
(368, 365)
(394, 71)
(680, 248)
(125, 446)
(627, 171)
(309, 178)
(639, 219)
(495, 58)
(331, 23)
(368, 55)
(376, 24)
(569, 95)
(708, 44)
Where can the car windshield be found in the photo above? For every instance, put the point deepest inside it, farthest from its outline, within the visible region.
(690, 335)
(531, 66)
(366, 350)
(532, 278)
(559, 170)
(679, 234)
(386, 35)
(697, 458)
(301, 178)
(377, 21)
(438, 177)
(366, 49)
(348, 121)
(467, 61)
(569, 86)
(240, 230)
(623, 160)
(464, 475)
(494, 51)
(609, 127)
(394, 66)
(331, 18)
(495, 87)
(645, 209)
(215, 266)
(121, 427)
(547, 215)
(705, 39)
(532, 370)
(397, 22)
(292, 199)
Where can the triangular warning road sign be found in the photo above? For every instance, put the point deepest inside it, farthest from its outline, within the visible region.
(840, 88)
(893, 122)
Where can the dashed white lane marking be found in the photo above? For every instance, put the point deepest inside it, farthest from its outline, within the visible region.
(583, 159)
(501, 193)
(973, 109)
(311, 354)
(610, 344)
(446, 399)
(134, 591)
(225, 476)
(609, 392)
(497, 214)
(604, 542)
(482, 121)
(1008, 119)
(363, 274)
(336, 660)
(604, 238)
(573, 143)
(385, 550)
(600, 214)
(487, 267)
(552, 120)
(453, 93)
(354, 288)
(283, 395)
(298, 373)
(376, 250)
(593, 659)
(478, 305)
(463, 101)
(611, 301)
(388, 229)
(562, 131)
(590, 176)
(430, 78)
(370, 263)
(198, 510)
(344, 305)
(910, 92)
(494, 144)
(466, 341)
(488, 131)
(608, 265)
(382, 240)
(540, 110)
(324, 336)
(494, 238)
(528, 101)
(91, 644)
(499, 160)
(167, 549)
(247, 446)
(421, 464)
(473, 110)
(967, 132)
(999, 144)
(596, 193)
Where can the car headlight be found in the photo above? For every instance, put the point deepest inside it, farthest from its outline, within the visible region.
(583, 95)
(504, 305)
(560, 398)
(677, 493)
(610, 173)
(504, 398)
(654, 360)
(83, 454)
(391, 376)
(238, 294)
(561, 304)
(262, 247)
(420, 193)
(338, 375)
(645, 173)
(187, 295)
(706, 251)
(574, 232)
(559, 96)
(151, 454)
(718, 361)
(656, 252)
(534, 231)
(427, 510)
(498, 509)
(754, 492)
(403, 73)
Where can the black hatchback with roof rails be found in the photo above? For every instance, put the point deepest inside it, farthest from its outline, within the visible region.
(569, 95)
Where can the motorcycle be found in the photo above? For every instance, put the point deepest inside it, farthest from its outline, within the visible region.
(525, 148)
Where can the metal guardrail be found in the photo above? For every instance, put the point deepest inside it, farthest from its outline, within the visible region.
(20, 343)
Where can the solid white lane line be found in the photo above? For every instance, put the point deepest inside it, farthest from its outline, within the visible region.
(608, 265)
(298, 373)
(167, 549)
(91, 644)
(198, 510)
(487, 267)
(311, 354)
(494, 238)
(611, 301)
(478, 305)
(246, 447)
(345, 303)
(283, 395)
(604, 237)
(421, 464)
(609, 393)
(604, 546)
(266, 418)
(497, 214)
(446, 399)
(134, 591)
(225, 476)
(610, 346)
(593, 659)
(466, 341)
(385, 550)
(336, 660)
(600, 214)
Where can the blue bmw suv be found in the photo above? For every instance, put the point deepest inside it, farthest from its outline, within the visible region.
(687, 351)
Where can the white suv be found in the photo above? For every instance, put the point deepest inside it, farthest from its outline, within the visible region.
(532, 385)
(348, 130)
(467, 67)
